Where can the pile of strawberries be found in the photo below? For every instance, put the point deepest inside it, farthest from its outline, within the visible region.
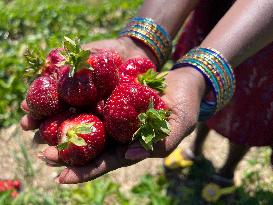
(83, 98)
(13, 186)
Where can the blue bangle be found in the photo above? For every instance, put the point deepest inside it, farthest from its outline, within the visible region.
(217, 73)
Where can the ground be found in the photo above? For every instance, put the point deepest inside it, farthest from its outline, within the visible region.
(15, 162)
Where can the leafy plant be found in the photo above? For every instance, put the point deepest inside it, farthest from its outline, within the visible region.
(41, 25)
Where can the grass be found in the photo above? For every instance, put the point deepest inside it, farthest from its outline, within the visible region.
(165, 188)
(41, 26)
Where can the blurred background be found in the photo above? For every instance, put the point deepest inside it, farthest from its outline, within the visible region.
(41, 25)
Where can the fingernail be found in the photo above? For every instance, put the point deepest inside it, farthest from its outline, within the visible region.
(60, 178)
(136, 153)
(25, 110)
(41, 156)
(57, 180)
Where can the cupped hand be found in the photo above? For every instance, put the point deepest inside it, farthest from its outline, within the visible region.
(185, 88)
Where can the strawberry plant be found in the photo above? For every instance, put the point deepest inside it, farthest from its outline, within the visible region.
(41, 25)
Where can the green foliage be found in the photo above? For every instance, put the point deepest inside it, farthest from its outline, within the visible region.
(152, 191)
(41, 25)
(169, 188)
(99, 192)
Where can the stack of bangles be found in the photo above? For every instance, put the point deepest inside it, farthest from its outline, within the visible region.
(208, 61)
(152, 35)
(218, 74)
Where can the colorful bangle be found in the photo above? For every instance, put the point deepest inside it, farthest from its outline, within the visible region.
(152, 35)
(218, 74)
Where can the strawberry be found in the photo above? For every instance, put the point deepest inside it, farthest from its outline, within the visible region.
(52, 66)
(99, 108)
(105, 64)
(49, 128)
(81, 138)
(131, 68)
(135, 111)
(43, 98)
(143, 71)
(55, 57)
(10, 185)
(76, 86)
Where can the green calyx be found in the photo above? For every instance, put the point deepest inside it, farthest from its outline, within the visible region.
(153, 80)
(153, 127)
(73, 138)
(35, 65)
(74, 55)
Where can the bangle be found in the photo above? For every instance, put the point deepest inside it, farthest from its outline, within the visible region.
(152, 35)
(218, 74)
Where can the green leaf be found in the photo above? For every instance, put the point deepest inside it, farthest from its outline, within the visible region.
(62, 146)
(153, 127)
(153, 80)
(75, 56)
(35, 65)
(77, 141)
(84, 128)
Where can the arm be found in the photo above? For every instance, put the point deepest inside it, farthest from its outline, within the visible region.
(245, 29)
(161, 11)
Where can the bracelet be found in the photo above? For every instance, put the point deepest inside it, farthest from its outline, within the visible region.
(218, 74)
(152, 35)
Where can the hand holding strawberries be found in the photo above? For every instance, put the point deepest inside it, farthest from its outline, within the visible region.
(132, 110)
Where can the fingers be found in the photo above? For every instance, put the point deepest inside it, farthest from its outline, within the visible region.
(50, 157)
(24, 106)
(136, 152)
(28, 123)
(162, 148)
(51, 154)
(103, 164)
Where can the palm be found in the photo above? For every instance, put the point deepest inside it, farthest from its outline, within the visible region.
(184, 104)
(183, 95)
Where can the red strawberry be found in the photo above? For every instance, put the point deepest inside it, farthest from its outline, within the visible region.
(142, 70)
(131, 68)
(49, 128)
(76, 86)
(55, 57)
(105, 64)
(52, 66)
(136, 111)
(43, 98)
(78, 90)
(7, 185)
(99, 108)
(82, 138)
(17, 184)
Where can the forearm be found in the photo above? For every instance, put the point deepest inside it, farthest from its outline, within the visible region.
(245, 29)
(170, 14)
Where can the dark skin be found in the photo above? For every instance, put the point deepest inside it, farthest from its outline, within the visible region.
(185, 86)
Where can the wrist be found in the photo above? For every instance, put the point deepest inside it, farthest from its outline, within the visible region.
(195, 80)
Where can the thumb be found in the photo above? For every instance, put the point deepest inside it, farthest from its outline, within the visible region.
(136, 152)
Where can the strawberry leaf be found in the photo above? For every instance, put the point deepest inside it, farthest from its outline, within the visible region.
(74, 55)
(62, 146)
(35, 65)
(153, 80)
(84, 128)
(77, 141)
(153, 127)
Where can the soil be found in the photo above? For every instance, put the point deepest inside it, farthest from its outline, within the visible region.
(14, 165)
